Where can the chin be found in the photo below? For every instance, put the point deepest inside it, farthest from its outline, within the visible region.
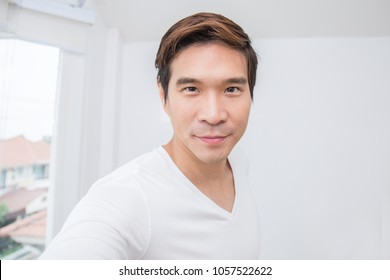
(211, 157)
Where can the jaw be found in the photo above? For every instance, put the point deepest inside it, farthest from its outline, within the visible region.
(200, 151)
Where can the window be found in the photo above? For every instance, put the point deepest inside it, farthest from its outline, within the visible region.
(39, 171)
(20, 171)
(28, 85)
(3, 175)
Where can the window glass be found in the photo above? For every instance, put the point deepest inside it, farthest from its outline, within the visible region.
(28, 84)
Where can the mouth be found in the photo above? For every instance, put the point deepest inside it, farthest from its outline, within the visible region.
(212, 140)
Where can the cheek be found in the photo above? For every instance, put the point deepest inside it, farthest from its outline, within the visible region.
(180, 113)
(241, 112)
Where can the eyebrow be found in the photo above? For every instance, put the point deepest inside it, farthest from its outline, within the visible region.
(184, 81)
(240, 81)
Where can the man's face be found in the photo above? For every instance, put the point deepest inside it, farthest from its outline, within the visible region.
(208, 101)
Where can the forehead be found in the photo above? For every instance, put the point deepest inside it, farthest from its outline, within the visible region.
(209, 61)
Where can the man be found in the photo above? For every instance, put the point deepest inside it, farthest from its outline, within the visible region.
(188, 199)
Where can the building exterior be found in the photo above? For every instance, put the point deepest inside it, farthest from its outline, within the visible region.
(30, 230)
(24, 182)
(23, 164)
(29, 233)
(23, 202)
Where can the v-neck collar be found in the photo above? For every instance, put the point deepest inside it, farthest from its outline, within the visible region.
(198, 192)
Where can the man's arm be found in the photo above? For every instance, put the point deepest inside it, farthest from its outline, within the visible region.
(110, 222)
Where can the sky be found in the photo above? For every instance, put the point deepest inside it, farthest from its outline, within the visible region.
(28, 85)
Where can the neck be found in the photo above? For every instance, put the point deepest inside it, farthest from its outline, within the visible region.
(199, 172)
(214, 179)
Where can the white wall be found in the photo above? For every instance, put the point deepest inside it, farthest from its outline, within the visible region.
(143, 124)
(317, 139)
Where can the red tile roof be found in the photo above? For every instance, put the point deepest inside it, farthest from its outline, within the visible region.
(19, 151)
(19, 199)
(31, 226)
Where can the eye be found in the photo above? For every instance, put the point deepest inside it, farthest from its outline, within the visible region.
(191, 90)
(233, 90)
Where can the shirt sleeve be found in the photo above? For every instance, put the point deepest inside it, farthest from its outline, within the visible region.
(110, 222)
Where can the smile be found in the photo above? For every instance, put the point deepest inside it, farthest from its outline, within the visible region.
(212, 140)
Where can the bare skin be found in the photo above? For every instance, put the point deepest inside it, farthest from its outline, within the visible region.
(208, 104)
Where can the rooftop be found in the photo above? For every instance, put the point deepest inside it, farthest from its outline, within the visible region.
(33, 226)
(19, 151)
(18, 200)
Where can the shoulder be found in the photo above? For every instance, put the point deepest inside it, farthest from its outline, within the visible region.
(123, 189)
(112, 221)
(126, 177)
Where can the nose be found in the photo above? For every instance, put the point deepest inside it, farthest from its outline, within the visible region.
(212, 109)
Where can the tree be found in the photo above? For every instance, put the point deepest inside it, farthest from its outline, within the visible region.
(3, 212)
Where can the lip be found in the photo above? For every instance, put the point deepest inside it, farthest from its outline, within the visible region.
(212, 140)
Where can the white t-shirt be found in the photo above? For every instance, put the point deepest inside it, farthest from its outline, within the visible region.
(148, 209)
